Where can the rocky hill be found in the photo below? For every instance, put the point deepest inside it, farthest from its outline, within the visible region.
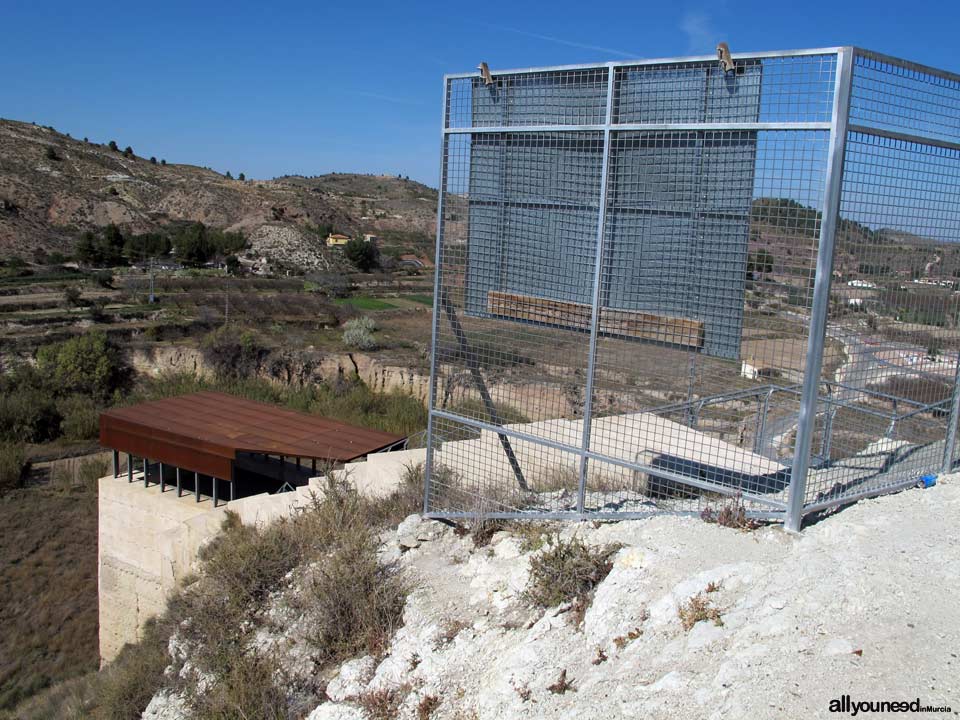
(52, 187)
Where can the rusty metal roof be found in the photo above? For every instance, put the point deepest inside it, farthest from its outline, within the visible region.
(204, 431)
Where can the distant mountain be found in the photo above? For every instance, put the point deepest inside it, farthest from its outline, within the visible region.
(52, 187)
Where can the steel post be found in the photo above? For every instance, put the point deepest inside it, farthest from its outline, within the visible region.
(821, 291)
(196, 486)
(950, 441)
(434, 331)
(129, 468)
(146, 472)
(215, 482)
(597, 295)
(163, 483)
(179, 484)
(116, 463)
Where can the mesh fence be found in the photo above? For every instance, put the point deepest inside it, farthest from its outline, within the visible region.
(627, 279)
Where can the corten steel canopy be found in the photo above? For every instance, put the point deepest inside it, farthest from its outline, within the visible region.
(205, 431)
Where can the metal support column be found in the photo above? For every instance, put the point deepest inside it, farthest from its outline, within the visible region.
(196, 486)
(762, 422)
(597, 290)
(179, 484)
(298, 463)
(146, 472)
(821, 290)
(116, 463)
(129, 468)
(313, 465)
(163, 484)
(950, 441)
(215, 482)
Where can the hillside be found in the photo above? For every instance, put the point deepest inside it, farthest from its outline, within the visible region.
(52, 187)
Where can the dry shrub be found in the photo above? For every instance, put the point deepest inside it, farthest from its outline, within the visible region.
(126, 686)
(383, 704)
(246, 690)
(567, 570)
(355, 602)
(427, 706)
(696, 609)
(562, 685)
(733, 514)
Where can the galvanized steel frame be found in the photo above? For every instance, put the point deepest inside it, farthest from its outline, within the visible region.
(840, 127)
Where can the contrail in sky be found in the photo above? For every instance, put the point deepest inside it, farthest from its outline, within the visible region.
(560, 41)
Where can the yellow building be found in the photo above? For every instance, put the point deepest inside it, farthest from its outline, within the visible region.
(335, 239)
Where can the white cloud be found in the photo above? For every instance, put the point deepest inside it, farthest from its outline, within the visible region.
(702, 39)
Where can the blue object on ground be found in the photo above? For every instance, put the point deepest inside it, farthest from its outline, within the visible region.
(927, 481)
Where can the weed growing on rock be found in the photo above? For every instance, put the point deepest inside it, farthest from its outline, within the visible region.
(622, 641)
(600, 657)
(567, 570)
(427, 706)
(562, 685)
(696, 609)
(449, 631)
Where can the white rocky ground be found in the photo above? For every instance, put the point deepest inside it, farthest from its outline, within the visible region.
(862, 603)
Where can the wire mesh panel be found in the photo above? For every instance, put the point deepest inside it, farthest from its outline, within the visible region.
(666, 286)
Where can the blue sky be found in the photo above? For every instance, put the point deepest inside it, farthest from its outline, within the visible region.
(272, 88)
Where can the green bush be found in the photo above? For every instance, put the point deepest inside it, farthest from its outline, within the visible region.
(13, 465)
(89, 364)
(80, 417)
(234, 354)
(363, 255)
(71, 296)
(27, 415)
(356, 403)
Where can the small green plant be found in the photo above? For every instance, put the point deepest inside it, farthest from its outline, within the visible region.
(567, 570)
(697, 609)
(71, 296)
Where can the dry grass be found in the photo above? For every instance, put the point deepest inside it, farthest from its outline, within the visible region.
(48, 608)
(697, 609)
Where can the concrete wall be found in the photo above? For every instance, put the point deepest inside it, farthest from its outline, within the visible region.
(149, 542)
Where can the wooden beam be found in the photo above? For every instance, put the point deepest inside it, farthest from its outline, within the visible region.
(616, 323)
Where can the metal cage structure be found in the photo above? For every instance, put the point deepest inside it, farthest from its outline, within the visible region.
(666, 286)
